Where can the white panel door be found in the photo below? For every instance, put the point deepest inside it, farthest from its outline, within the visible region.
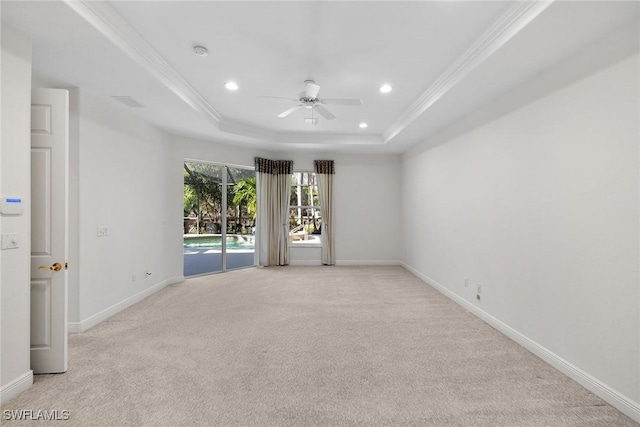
(49, 195)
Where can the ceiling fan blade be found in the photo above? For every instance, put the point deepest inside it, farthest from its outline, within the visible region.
(324, 112)
(340, 101)
(289, 111)
(278, 97)
(311, 90)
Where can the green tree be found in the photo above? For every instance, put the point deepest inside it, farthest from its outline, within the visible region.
(202, 192)
(190, 200)
(245, 194)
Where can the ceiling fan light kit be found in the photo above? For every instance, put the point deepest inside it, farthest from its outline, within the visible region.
(309, 99)
(311, 120)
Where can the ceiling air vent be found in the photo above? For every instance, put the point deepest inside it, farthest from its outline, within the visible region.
(127, 100)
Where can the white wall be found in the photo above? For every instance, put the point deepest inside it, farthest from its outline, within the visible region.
(540, 207)
(367, 200)
(367, 197)
(122, 184)
(117, 179)
(15, 373)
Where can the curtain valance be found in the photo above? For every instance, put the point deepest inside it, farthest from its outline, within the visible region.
(274, 167)
(324, 167)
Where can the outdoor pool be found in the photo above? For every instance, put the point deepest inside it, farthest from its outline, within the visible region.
(235, 242)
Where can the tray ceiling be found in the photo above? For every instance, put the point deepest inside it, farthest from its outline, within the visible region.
(444, 59)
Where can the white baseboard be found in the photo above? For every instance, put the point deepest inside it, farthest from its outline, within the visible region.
(597, 387)
(366, 262)
(304, 262)
(15, 387)
(76, 327)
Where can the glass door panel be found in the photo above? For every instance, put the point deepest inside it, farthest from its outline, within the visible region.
(240, 218)
(203, 204)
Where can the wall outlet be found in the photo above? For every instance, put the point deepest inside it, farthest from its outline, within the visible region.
(466, 282)
(103, 231)
(478, 291)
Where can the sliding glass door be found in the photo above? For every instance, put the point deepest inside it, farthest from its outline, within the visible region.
(219, 218)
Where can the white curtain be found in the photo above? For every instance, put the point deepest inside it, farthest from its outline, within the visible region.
(325, 170)
(273, 187)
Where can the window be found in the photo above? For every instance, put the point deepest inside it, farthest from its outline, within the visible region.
(305, 221)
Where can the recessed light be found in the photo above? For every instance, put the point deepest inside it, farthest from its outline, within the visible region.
(363, 125)
(200, 50)
(231, 85)
(385, 88)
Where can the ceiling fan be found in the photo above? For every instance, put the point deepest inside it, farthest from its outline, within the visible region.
(309, 99)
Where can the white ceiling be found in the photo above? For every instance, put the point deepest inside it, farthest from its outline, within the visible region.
(444, 60)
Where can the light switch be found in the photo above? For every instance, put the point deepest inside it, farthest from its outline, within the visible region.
(10, 241)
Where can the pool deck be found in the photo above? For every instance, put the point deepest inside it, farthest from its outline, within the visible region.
(206, 260)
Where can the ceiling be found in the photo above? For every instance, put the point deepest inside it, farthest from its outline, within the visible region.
(444, 59)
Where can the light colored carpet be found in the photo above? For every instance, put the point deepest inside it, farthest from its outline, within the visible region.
(306, 346)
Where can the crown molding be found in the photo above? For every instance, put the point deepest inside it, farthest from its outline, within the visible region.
(328, 138)
(518, 15)
(111, 25)
(242, 129)
(319, 138)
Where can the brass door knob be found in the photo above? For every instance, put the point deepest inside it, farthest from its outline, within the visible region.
(55, 267)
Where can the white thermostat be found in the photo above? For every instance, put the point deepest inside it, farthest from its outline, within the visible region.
(11, 206)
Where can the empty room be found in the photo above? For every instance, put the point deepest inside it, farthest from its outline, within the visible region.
(320, 213)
